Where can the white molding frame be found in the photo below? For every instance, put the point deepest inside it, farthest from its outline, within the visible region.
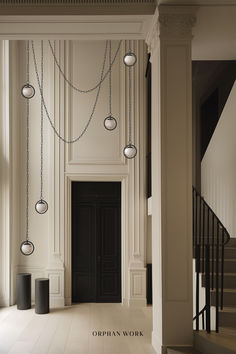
(137, 291)
(124, 227)
(120, 161)
(75, 27)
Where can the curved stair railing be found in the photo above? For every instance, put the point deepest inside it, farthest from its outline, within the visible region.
(209, 239)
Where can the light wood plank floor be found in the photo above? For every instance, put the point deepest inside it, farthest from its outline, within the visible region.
(75, 329)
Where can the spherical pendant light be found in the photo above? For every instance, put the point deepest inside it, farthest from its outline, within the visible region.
(27, 248)
(130, 151)
(28, 91)
(130, 59)
(110, 123)
(41, 206)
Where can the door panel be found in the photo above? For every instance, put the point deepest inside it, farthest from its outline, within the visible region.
(96, 242)
(83, 253)
(109, 275)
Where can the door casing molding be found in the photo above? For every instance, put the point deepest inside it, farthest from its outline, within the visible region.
(69, 178)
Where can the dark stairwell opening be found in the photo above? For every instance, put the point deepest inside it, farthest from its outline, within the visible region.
(214, 252)
(212, 83)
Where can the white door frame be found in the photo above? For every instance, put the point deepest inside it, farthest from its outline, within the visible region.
(124, 227)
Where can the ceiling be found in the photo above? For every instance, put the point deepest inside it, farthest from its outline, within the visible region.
(197, 2)
(96, 7)
(74, 2)
(77, 7)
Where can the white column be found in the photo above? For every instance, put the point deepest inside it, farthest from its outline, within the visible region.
(169, 42)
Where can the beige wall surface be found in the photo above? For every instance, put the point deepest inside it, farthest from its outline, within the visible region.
(214, 34)
(218, 172)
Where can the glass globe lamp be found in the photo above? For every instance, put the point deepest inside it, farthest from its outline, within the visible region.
(27, 248)
(130, 151)
(41, 206)
(130, 59)
(110, 123)
(28, 91)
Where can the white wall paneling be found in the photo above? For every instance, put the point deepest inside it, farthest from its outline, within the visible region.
(97, 157)
(137, 287)
(80, 106)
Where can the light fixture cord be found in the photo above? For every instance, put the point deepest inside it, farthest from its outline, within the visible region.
(103, 77)
(41, 142)
(110, 114)
(45, 107)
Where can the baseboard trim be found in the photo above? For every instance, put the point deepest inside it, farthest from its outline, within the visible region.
(157, 345)
(125, 302)
(68, 301)
(137, 302)
(57, 302)
(4, 302)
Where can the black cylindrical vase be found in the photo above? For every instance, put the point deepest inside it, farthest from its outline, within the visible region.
(42, 295)
(23, 287)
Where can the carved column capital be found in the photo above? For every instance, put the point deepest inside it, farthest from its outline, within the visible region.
(176, 21)
(153, 34)
(171, 23)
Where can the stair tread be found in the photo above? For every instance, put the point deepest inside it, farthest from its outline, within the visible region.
(228, 309)
(234, 274)
(225, 259)
(231, 331)
(221, 340)
(182, 350)
(225, 290)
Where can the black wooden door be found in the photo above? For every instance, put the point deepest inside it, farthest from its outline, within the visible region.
(96, 241)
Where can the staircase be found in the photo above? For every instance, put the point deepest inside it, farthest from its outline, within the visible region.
(215, 254)
(227, 316)
(182, 350)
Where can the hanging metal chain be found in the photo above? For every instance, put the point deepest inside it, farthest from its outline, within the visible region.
(41, 142)
(27, 65)
(129, 107)
(110, 79)
(103, 77)
(27, 153)
(45, 107)
(129, 103)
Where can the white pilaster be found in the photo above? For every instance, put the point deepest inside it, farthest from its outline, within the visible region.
(169, 42)
(137, 184)
(55, 267)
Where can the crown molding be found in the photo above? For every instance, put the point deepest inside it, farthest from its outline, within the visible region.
(75, 27)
